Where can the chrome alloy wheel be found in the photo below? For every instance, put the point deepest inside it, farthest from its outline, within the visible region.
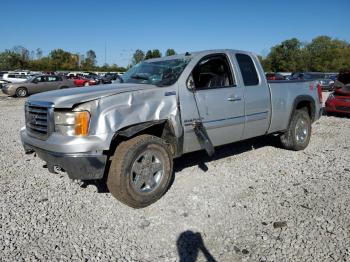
(147, 171)
(301, 130)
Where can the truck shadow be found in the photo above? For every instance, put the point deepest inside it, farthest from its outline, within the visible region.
(199, 158)
(189, 244)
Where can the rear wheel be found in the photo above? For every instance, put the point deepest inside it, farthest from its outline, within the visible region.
(21, 92)
(297, 137)
(141, 171)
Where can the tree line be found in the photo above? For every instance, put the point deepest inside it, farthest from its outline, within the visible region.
(322, 54)
(58, 59)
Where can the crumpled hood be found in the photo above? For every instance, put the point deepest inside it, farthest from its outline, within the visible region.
(67, 98)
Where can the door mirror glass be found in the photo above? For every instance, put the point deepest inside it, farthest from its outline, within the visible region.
(35, 80)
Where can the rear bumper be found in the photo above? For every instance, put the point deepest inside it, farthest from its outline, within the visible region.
(83, 166)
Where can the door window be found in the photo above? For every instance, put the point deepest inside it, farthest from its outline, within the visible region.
(40, 79)
(52, 78)
(212, 72)
(248, 71)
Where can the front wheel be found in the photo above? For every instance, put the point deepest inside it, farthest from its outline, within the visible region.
(141, 171)
(21, 92)
(297, 137)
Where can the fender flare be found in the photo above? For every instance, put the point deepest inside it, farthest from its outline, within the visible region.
(303, 98)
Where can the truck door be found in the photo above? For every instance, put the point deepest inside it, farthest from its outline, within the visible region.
(257, 97)
(219, 100)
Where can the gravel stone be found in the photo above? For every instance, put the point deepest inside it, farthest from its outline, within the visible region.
(220, 208)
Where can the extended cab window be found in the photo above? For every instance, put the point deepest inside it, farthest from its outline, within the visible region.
(248, 71)
(212, 72)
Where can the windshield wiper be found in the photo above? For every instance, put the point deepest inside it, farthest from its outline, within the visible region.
(140, 76)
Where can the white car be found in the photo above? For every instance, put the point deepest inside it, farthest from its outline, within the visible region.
(14, 77)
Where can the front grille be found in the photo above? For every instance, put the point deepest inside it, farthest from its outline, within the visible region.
(343, 108)
(39, 119)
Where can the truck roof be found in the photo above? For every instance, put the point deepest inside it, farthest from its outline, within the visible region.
(198, 53)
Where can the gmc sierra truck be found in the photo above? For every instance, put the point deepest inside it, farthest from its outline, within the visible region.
(129, 133)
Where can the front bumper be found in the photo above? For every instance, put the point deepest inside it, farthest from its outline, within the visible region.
(83, 166)
(8, 91)
(85, 163)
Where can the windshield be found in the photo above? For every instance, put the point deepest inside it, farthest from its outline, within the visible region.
(159, 73)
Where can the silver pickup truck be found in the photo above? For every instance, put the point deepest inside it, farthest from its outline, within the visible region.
(129, 133)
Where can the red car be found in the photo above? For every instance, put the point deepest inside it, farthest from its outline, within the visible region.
(274, 76)
(339, 100)
(81, 81)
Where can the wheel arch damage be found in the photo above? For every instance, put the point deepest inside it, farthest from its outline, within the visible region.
(149, 112)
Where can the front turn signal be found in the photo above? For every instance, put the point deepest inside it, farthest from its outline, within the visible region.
(82, 120)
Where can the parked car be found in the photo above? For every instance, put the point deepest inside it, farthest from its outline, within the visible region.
(2, 73)
(275, 76)
(325, 81)
(165, 108)
(14, 78)
(114, 77)
(83, 81)
(36, 84)
(339, 100)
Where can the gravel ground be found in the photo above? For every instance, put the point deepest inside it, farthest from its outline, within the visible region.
(252, 202)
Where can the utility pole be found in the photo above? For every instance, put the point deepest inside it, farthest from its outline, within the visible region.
(105, 52)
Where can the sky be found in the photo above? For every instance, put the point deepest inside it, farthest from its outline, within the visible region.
(121, 27)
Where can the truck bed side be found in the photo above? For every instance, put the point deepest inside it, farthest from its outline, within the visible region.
(285, 96)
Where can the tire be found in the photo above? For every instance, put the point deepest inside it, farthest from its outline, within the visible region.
(21, 92)
(297, 137)
(131, 179)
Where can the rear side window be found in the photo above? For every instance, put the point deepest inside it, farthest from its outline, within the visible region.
(249, 74)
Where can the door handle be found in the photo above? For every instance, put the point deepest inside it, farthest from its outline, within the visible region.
(234, 98)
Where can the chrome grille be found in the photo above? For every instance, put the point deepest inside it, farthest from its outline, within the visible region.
(39, 119)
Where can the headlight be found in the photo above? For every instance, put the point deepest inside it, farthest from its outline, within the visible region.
(72, 123)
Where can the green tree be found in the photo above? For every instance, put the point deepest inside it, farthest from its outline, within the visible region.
(149, 55)
(138, 56)
(156, 53)
(286, 57)
(60, 59)
(90, 60)
(153, 54)
(326, 54)
(170, 52)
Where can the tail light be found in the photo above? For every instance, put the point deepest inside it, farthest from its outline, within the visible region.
(319, 92)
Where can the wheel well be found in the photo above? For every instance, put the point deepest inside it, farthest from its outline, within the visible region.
(161, 129)
(307, 105)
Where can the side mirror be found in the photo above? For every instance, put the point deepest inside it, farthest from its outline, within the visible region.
(35, 81)
(190, 84)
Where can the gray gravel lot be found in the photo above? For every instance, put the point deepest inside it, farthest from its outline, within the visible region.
(252, 202)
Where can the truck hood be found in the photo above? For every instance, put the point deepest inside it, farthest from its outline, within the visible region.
(67, 98)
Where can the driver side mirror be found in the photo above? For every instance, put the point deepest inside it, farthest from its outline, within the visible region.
(35, 81)
(190, 84)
